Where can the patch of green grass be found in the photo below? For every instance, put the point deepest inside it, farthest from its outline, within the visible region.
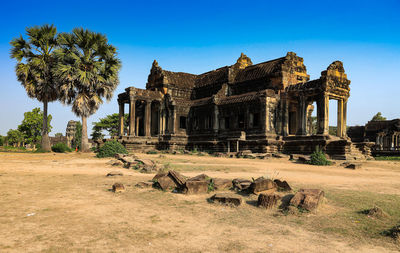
(387, 158)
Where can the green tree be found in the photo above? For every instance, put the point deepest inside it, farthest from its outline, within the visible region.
(34, 69)
(87, 71)
(31, 126)
(58, 135)
(110, 124)
(378, 117)
(14, 137)
(1, 140)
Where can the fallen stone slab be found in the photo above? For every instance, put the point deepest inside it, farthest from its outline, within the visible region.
(177, 177)
(221, 183)
(195, 187)
(165, 183)
(114, 173)
(268, 201)
(144, 184)
(282, 185)
(118, 187)
(158, 175)
(308, 199)
(261, 184)
(353, 166)
(241, 184)
(279, 155)
(227, 199)
(201, 177)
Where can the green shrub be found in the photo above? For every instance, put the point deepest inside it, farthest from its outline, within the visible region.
(318, 158)
(152, 152)
(110, 149)
(60, 147)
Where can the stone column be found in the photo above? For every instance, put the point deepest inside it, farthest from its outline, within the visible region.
(132, 116)
(147, 118)
(266, 115)
(302, 130)
(339, 129)
(216, 120)
(172, 120)
(344, 122)
(323, 114)
(137, 126)
(285, 118)
(121, 118)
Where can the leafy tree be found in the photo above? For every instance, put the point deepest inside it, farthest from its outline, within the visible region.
(110, 124)
(34, 69)
(14, 137)
(333, 130)
(1, 140)
(31, 126)
(378, 117)
(87, 71)
(58, 135)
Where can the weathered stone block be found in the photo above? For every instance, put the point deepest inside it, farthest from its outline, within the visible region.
(282, 185)
(114, 173)
(241, 184)
(309, 199)
(118, 187)
(227, 199)
(177, 177)
(261, 184)
(195, 187)
(144, 185)
(166, 183)
(268, 201)
(221, 183)
(201, 177)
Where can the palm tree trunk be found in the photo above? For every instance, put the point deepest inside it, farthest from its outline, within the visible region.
(45, 135)
(84, 141)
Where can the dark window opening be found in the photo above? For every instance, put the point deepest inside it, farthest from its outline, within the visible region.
(182, 122)
(241, 121)
(256, 119)
(227, 123)
(209, 122)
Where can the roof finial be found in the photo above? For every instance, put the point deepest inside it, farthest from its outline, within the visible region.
(155, 63)
(243, 61)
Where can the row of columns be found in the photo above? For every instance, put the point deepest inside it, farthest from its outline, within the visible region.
(387, 142)
(322, 116)
(166, 121)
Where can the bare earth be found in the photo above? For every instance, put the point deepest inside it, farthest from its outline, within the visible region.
(63, 203)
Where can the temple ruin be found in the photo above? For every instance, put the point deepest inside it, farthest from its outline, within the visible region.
(265, 108)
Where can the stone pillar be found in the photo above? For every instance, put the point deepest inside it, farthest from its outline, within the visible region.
(132, 116)
(344, 122)
(172, 120)
(323, 114)
(216, 120)
(137, 126)
(121, 119)
(285, 118)
(147, 118)
(266, 115)
(339, 129)
(302, 130)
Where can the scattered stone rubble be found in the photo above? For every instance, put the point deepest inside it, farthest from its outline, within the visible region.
(118, 187)
(132, 162)
(308, 199)
(227, 199)
(114, 173)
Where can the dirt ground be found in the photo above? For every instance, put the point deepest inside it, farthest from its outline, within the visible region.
(63, 203)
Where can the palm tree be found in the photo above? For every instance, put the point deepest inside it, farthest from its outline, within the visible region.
(87, 70)
(35, 61)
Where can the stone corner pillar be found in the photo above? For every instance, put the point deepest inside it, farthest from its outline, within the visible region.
(147, 118)
(132, 116)
(323, 114)
(121, 118)
(302, 130)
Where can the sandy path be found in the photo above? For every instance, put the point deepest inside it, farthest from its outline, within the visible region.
(74, 210)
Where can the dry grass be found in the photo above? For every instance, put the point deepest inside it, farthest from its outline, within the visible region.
(74, 211)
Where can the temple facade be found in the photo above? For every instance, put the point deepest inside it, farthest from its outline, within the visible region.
(263, 107)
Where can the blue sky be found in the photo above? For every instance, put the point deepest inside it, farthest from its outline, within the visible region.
(198, 36)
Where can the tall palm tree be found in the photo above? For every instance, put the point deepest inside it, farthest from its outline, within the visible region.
(35, 61)
(87, 70)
